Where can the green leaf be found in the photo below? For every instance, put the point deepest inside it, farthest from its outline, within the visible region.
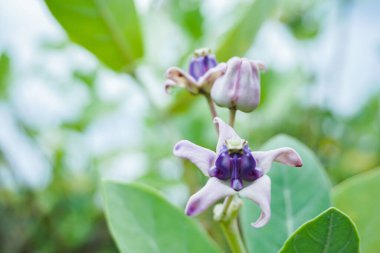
(109, 29)
(142, 221)
(359, 198)
(298, 195)
(240, 38)
(189, 16)
(330, 232)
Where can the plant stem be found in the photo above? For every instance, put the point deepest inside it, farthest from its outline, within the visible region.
(227, 218)
(211, 105)
(232, 233)
(232, 117)
(226, 204)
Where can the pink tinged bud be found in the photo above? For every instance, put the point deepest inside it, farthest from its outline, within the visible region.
(239, 87)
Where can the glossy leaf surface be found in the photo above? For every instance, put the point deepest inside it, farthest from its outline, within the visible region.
(109, 29)
(359, 198)
(142, 221)
(298, 195)
(330, 232)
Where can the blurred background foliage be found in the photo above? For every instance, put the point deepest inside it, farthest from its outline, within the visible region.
(82, 99)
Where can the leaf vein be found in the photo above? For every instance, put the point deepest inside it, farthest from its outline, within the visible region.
(328, 239)
(110, 23)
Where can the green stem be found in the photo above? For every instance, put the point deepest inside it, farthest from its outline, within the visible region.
(227, 218)
(232, 233)
(232, 117)
(226, 205)
(211, 105)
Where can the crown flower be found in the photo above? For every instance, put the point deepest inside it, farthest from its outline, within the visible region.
(234, 170)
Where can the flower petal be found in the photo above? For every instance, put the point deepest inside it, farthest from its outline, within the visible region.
(169, 84)
(259, 192)
(246, 96)
(208, 195)
(203, 158)
(208, 79)
(223, 88)
(225, 132)
(287, 156)
(182, 79)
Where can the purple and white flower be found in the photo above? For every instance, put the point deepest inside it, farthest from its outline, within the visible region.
(203, 71)
(234, 169)
(239, 87)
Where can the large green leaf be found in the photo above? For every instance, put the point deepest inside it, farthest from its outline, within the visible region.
(298, 195)
(141, 221)
(240, 38)
(110, 29)
(330, 232)
(359, 198)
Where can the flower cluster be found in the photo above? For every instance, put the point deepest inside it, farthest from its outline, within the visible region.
(202, 74)
(235, 84)
(233, 169)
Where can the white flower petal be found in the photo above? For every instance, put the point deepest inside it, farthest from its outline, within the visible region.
(169, 84)
(202, 157)
(208, 195)
(182, 79)
(246, 95)
(225, 132)
(259, 192)
(223, 88)
(208, 79)
(287, 156)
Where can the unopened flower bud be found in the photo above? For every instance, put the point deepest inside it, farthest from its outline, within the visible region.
(239, 87)
(201, 62)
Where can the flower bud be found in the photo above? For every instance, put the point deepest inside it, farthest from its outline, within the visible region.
(239, 87)
(203, 71)
(201, 62)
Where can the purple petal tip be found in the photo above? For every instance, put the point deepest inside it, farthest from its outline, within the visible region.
(191, 210)
(177, 147)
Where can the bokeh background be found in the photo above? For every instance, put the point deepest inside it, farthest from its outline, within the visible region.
(68, 120)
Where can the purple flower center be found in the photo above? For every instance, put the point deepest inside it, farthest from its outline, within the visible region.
(236, 166)
(200, 65)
